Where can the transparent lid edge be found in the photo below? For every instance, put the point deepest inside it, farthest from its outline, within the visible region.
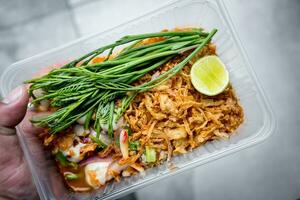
(269, 113)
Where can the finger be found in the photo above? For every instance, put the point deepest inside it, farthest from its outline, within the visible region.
(30, 128)
(7, 131)
(46, 70)
(26, 125)
(13, 107)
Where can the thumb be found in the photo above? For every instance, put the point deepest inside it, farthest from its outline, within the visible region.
(13, 107)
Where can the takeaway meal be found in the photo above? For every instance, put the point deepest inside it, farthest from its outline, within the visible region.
(133, 105)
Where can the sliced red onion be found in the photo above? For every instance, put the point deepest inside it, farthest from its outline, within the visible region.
(86, 140)
(94, 159)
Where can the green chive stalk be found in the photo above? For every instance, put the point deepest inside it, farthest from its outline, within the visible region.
(94, 88)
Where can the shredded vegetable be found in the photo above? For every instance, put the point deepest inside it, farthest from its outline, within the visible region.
(150, 155)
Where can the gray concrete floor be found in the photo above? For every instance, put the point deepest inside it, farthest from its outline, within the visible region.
(269, 31)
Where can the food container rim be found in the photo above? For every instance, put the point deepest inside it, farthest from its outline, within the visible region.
(270, 122)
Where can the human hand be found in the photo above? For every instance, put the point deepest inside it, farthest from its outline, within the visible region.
(15, 177)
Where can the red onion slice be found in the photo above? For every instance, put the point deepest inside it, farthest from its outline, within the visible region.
(94, 159)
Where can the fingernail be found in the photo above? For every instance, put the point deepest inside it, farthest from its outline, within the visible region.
(13, 95)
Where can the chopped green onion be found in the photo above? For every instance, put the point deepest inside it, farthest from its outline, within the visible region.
(61, 158)
(134, 145)
(150, 154)
(98, 141)
(117, 141)
(69, 176)
(128, 129)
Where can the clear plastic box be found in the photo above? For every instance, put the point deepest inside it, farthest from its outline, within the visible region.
(259, 119)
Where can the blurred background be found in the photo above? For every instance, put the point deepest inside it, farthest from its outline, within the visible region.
(269, 31)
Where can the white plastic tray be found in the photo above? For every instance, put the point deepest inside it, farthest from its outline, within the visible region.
(259, 119)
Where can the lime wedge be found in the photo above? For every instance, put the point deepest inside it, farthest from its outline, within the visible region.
(209, 75)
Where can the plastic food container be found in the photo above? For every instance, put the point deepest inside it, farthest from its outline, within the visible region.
(259, 119)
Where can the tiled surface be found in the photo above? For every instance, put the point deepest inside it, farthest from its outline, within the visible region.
(15, 12)
(44, 34)
(7, 48)
(31, 27)
(100, 15)
(270, 32)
